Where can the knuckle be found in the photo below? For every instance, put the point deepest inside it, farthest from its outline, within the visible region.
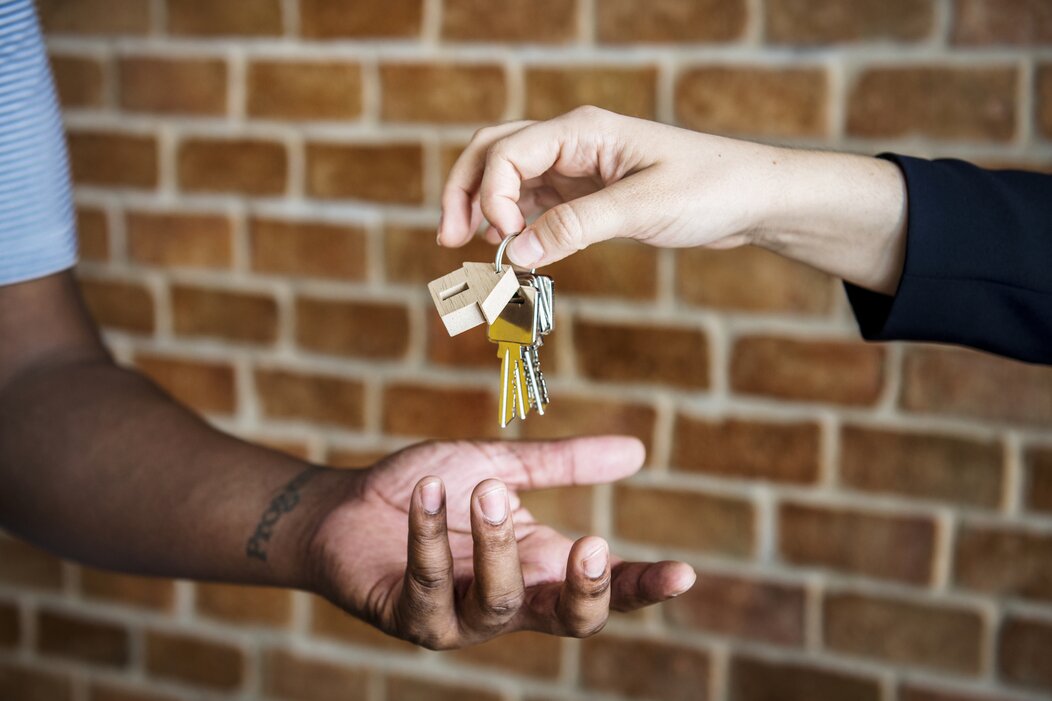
(586, 629)
(430, 578)
(565, 227)
(502, 605)
(588, 112)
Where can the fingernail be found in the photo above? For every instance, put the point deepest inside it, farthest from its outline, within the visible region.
(595, 563)
(431, 496)
(494, 505)
(525, 250)
(686, 584)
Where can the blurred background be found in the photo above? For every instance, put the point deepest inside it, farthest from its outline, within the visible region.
(257, 190)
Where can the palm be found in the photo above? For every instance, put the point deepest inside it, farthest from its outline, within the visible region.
(364, 540)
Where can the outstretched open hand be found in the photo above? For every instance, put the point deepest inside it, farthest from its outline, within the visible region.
(477, 563)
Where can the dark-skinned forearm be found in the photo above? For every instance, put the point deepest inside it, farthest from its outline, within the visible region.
(101, 466)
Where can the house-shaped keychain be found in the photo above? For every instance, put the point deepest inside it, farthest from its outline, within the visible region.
(472, 295)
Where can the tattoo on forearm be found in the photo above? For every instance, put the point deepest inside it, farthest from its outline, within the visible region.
(284, 502)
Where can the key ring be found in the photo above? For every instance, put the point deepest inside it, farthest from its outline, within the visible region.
(500, 251)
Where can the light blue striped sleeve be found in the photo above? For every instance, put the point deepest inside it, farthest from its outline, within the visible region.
(37, 228)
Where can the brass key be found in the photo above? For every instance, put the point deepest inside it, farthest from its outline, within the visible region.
(514, 331)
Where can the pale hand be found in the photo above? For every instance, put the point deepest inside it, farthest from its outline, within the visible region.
(483, 576)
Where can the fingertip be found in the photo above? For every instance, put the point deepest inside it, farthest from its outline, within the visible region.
(591, 556)
(526, 250)
(431, 494)
(491, 495)
(681, 579)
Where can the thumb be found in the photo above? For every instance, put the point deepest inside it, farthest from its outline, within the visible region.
(572, 226)
(560, 463)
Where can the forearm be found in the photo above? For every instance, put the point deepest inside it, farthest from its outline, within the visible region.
(100, 466)
(840, 213)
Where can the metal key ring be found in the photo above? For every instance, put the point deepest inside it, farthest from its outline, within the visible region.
(500, 251)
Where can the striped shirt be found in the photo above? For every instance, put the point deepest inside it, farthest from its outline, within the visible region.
(37, 231)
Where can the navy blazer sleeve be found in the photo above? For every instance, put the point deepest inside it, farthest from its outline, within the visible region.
(978, 269)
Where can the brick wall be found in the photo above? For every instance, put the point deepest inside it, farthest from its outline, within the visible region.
(257, 194)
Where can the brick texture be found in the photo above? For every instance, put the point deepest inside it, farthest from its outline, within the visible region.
(553, 91)
(192, 660)
(714, 279)
(10, 625)
(841, 372)
(753, 101)
(644, 668)
(938, 102)
(736, 449)
(179, 240)
(829, 21)
(904, 633)
(661, 21)
(186, 86)
(257, 192)
(757, 610)
(702, 522)
(921, 465)
(883, 547)
(304, 90)
(98, 642)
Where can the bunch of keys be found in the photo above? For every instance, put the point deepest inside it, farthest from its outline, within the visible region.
(519, 333)
(518, 307)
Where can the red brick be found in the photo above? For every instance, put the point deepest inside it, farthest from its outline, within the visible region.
(512, 21)
(407, 689)
(288, 446)
(563, 508)
(921, 465)
(903, 633)
(976, 385)
(620, 352)
(570, 415)
(534, 655)
(94, 16)
(307, 248)
(245, 605)
(355, 457)
(140, 592)
(781, 452)
(236, 316)
(440, 412)
(328, 621)
(173, 86)
(27, 566)
(988, 22)
(624, 269)
(107, 692)
(679, 519)
(207, 387)
(934, 101)
(291, 676)
(25, 684)
(78, 80)
(755, 101)
(897, 548)
(644, 668)
(332, 19)
(443, 93)
(211, 18)
(743, 608)
(714, 279)
(304, 89)
(753, 679)
(179, 240)
(1043, 98)
(1039, 479)
(86, 640)
(356, 329)
(104, 158)
(1024, 648)
(1004, 561)
(830, 21)
(664, 21)
(553, 91)
(10, 625)
(248, 166)
(918, 693)
(841, 372)
(190, 659)
(387, 173)
(93, 238)
(317, 398)
(127, 306)
(410, 254)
